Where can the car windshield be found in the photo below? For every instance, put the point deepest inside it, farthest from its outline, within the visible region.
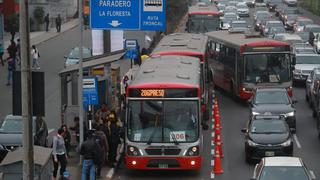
(12, 125)
(314, 29)
(203, 23)
(271, 97)
(291, 11)
(268, 126)
(283, 172)
(267, 68)
(307, 59)
(292, 17)
(274, 24)
(304, 22)
(275, 1)
(242, 6)
(156, 121)
(276, 30)
(75, 53)
(239, 25)
(304, 51)
(229, 19)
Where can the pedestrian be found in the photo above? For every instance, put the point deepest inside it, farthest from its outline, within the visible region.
(90, 151)
(12, 50)
(47, 21)
(66, 137)
(1, 55)
(102, 114)
(102, 141)
(113, 138)
(59, 154)
(35, 57)
(311, 38)
(11, 68)
(76, 128)
(58, 23)
(41, 132)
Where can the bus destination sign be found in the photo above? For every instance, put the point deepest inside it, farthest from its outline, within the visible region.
(164, 93)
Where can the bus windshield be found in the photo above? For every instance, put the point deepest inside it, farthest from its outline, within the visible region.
(163, 121)
(203, 23)
(267, 68)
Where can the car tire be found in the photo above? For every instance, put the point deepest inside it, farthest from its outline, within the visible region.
(248, 159)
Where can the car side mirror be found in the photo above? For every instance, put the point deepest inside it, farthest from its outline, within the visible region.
(244, 130)
(309, 81)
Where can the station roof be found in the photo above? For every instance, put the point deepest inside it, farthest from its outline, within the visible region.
(236, 40)
(166, 70)
(182, 42)
(94, 61)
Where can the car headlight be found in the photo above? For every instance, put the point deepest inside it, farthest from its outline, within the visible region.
(193, 151)
(133, 151)
(289, 114)
(286, 143)
(255, 113)
(297, 71)
(251, 143)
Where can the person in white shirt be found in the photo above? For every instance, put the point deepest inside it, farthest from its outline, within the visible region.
(35, 57)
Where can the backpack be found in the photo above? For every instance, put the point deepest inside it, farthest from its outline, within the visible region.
(97, 151)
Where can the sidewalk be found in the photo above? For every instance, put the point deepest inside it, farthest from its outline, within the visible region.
(39, 37)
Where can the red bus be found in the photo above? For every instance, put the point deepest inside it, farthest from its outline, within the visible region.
(243, 62)
(195, 45)
(163, 119)
(203, 18)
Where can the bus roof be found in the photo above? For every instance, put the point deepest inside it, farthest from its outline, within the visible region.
(168, 72)
(182, 44)
(239, 40)
(203, 9)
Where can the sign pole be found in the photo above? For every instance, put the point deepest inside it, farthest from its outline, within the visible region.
(26, 92)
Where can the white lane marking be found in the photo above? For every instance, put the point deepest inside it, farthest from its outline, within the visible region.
(212, 162)
(50, 131)
(313, 176)
(110, 173)
(212, 134)
(212, 151)
(295, 137)
(212, 143)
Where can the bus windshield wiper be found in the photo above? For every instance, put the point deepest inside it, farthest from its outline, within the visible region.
(152, 135)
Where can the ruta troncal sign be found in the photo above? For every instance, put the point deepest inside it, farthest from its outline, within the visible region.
(128, 14)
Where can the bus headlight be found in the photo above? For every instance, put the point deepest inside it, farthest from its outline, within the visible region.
(193, 151)
(255, 113)
(251, 143)
(290, 114)
(286, 143)
(133, 151)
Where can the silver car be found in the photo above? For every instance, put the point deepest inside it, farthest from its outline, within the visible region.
(305, 63)
(74, 55)
(313, 77)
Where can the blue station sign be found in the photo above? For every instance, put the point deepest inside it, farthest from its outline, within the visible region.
(128, 14)
(90, 91)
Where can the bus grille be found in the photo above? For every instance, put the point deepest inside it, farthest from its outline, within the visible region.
(163, 163)
(163, 151)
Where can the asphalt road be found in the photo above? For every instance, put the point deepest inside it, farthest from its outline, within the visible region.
(234, 116)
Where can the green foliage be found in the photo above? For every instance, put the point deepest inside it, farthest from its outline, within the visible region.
(38, 14)
(11, 23)
(176, 9)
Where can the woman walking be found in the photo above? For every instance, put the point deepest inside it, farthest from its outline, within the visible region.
(35, 57)
(66, 137)
(59, 154)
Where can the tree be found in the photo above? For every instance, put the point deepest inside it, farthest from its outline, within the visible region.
(12, 25)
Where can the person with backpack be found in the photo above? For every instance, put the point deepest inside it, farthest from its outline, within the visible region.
(35, 57)
(101, 140)
(90, 151)
(113, 138)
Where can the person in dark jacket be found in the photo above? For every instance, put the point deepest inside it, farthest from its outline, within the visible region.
(102, 141)
(88, 150)
(11, 68)
(113, 138)
(67, 137)
(311, 38)
(58, 23)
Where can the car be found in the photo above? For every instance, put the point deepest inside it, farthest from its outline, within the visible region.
(260, 3)
(227, 19)
(74, 55)
(312, 79)
(292, 39)
(272, 4)
(242, 10)
(259, 17)
(230, 9)
(287, 11)
(304, 36)
(267, 135)
(273, 101)
(291, 3)
(314, 28)
(238, 27)
(302, 48)
(11, 134)
(232, 3)
(281, 167)
(289, 21)
(317, 43)
(279, 36)
(305, 63)
(300, 23)
(275, 30)
(269, 24)
(206, 2)
(250, 3)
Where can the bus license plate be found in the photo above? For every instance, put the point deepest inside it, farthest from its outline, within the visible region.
(269, 153)
(162, 166)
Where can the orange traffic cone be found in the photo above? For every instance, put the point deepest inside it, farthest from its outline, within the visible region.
(217, 169)
(218, 143)
(217, 123)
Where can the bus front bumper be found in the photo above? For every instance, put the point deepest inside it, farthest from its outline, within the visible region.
(163, 163)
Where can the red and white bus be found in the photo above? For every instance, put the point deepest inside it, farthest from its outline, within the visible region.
(163, 117)
(203, 18)
(195, 45)
(243, 62)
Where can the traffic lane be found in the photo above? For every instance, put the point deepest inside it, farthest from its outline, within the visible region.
(203, 174)
(306, 133)
(52, 60)
(234, 116)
